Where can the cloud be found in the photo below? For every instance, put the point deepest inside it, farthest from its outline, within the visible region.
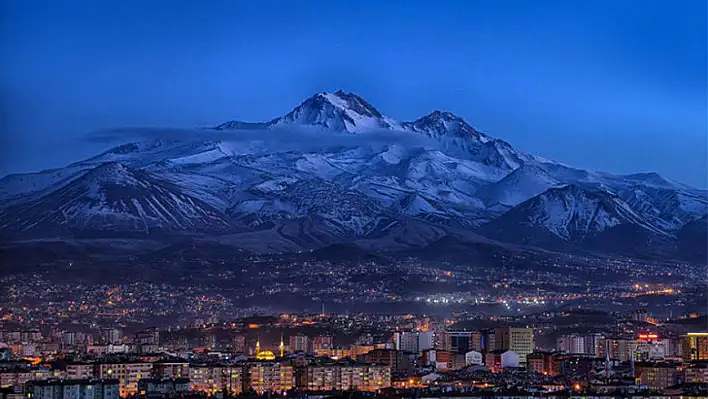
(266, 140)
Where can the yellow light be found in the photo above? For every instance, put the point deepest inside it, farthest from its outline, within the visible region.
(577, 387)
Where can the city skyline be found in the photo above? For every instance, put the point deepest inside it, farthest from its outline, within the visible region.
(353, 200)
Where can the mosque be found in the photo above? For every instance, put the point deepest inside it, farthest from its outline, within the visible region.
(269, 355)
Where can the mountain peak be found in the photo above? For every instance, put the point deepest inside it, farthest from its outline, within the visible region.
(351, 101)
(338, 111)
(112, 172)
(442, 123)
(443, 115)
(570, 213)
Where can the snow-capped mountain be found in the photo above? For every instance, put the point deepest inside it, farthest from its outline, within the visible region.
(347, 112)
(526, 181)
(333, 170)
(569, 213)
(340, 111)
(440, 124)
(574, 218)
(112, 197)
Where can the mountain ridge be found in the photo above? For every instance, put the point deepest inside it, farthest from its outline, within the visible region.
(436, 175)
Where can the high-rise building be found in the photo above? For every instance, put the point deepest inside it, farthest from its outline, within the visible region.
(458, 341)
(209, 341)
(477, 341)
(271, 377)
(694, 346)
(573, 344)
(128, 375)
(206, 379)
(213, 379)
(298, 343)
(488, 340)
(238, 344)
(426, 340)
(111, 336)
(618, 349)
(322, 344)
(697, 373)
(80, 371)
(640, 315)
(406, 341)
(517, 340)
(368, 378)
(391, 358)
(591, 343)
(657, 375)
(150, 336)
(68, 338)
(170, 370)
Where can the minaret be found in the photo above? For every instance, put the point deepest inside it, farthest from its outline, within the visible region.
(258, 346)
(607, 364)
(282, 346)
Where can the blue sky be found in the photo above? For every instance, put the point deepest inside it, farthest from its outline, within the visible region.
(609, 85)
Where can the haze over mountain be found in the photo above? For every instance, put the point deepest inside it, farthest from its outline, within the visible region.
(367, 179)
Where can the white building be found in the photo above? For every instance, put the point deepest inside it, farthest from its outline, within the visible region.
(413, 341)
(474, 358)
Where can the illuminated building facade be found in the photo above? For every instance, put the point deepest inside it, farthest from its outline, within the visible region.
(696, 373)
(213, 379)
(20, 378)
(656, 375)
(322, 345)
(298, 343)
(79, 371)
(171, 370)
(330, 377)
(271, 377)
(694, 346)
(540, 362)
(517, 340)
(127, 374)
(205, 379)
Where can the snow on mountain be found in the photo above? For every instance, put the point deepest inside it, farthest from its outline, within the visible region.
(440, 124)
(111, 197)
(525, 182)
(347, 112)
(665, 207)
(17, 185)
(350, 209)
(291, 181)
(664, 203)
(569, 213)
(340, 112)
